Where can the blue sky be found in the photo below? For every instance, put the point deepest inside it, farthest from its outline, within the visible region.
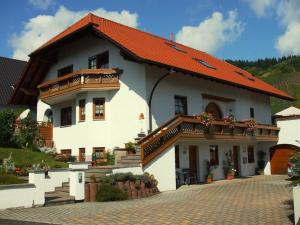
(251, 29)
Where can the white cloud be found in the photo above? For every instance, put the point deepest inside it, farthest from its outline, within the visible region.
(260, 6)
(41, 28)
(288, 12)
(212, 33)
(41, 4)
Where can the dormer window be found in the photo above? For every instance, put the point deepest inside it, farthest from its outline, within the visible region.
(99, 61)
(203, 63)
(64, 71)
(175, 47)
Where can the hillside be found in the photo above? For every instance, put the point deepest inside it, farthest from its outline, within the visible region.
(283, 73)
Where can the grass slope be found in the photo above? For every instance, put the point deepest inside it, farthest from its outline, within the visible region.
(23, 157)
(284, 75)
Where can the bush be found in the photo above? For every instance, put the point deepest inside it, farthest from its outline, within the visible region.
(27, 134)
(7, 127)
(108, 192)
(10, 179)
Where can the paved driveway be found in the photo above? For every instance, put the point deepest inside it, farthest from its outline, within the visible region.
(257, 200)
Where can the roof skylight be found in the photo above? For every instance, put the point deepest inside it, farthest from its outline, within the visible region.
(206, 64)
(175, 47)
(243, 75)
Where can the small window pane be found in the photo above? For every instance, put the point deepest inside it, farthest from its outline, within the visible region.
(66, 116)
(99, 108)
(180, 105)
(82, 110)
(64, 71)
(252, 113)
(214, 155)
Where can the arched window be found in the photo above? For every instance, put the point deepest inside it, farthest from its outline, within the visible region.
(48, 116)
(215, 110)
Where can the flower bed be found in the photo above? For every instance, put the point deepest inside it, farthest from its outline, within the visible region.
(122, 186)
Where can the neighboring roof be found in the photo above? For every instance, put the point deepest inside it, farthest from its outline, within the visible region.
(291, 111)
(148, 48)
(10, 72)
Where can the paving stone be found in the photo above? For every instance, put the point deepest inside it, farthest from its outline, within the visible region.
(256, 200)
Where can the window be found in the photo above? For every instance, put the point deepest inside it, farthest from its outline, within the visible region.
(214, 155)
(98, 153)
(66, 70)
(180, 105)
(243, 75)
(99, 61)
(81, 155)
(252, 113)
(177, 156)
(250, 150)
(66, 116)
(203, 63)
(66, 152)
(98, 108)
(82, 110)
(175, 47)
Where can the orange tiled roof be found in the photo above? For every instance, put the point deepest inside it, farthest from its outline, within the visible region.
(154, 49)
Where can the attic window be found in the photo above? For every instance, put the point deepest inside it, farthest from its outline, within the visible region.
(243, 75)
(206, 64)
(175, 47)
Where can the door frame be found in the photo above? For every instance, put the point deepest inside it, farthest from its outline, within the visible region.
(236, 152)
(194, 148)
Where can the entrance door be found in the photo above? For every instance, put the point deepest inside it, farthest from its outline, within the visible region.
(235, 158)
(193, 159)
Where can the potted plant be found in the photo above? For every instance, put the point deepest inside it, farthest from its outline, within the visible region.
(250, 126)
(228, 168)
(209, 168)
(230, 121)
(206, 120)
(130, 147)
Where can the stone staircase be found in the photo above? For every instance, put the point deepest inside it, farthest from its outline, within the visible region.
(130, 160)
(60, 196)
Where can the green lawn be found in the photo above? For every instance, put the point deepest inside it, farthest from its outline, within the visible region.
(24, 157)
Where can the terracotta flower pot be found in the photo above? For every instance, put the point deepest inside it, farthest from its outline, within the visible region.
(230, 176)
(209, 180)
(87, 193)
(93, 191)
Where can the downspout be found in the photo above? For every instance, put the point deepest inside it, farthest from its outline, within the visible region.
(171, 71)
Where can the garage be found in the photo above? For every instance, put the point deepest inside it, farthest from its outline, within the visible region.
(280, 155)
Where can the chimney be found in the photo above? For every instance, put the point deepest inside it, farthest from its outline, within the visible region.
(171, 36)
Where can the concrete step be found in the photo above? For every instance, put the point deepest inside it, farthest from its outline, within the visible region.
(131, 157)
(126, 165)
(58, 200)
(62, 189)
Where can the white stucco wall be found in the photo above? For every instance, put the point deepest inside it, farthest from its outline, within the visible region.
(296, 198)
(22, 195)
(193, 88)
(163, 169)
(122, 107)
(289, 131)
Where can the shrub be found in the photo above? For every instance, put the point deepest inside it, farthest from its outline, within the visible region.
(7, 127)
(10, 179)
(108, 192)
(27, 134)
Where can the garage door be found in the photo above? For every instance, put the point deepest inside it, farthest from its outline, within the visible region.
(280, 156)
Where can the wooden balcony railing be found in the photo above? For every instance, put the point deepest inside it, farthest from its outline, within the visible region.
(102, 79)
(188, 127)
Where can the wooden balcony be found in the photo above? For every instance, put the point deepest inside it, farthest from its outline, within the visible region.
(188, 127)
(85, 79)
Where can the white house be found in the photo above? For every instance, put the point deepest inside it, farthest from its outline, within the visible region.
(101, 83)
(288, 120)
